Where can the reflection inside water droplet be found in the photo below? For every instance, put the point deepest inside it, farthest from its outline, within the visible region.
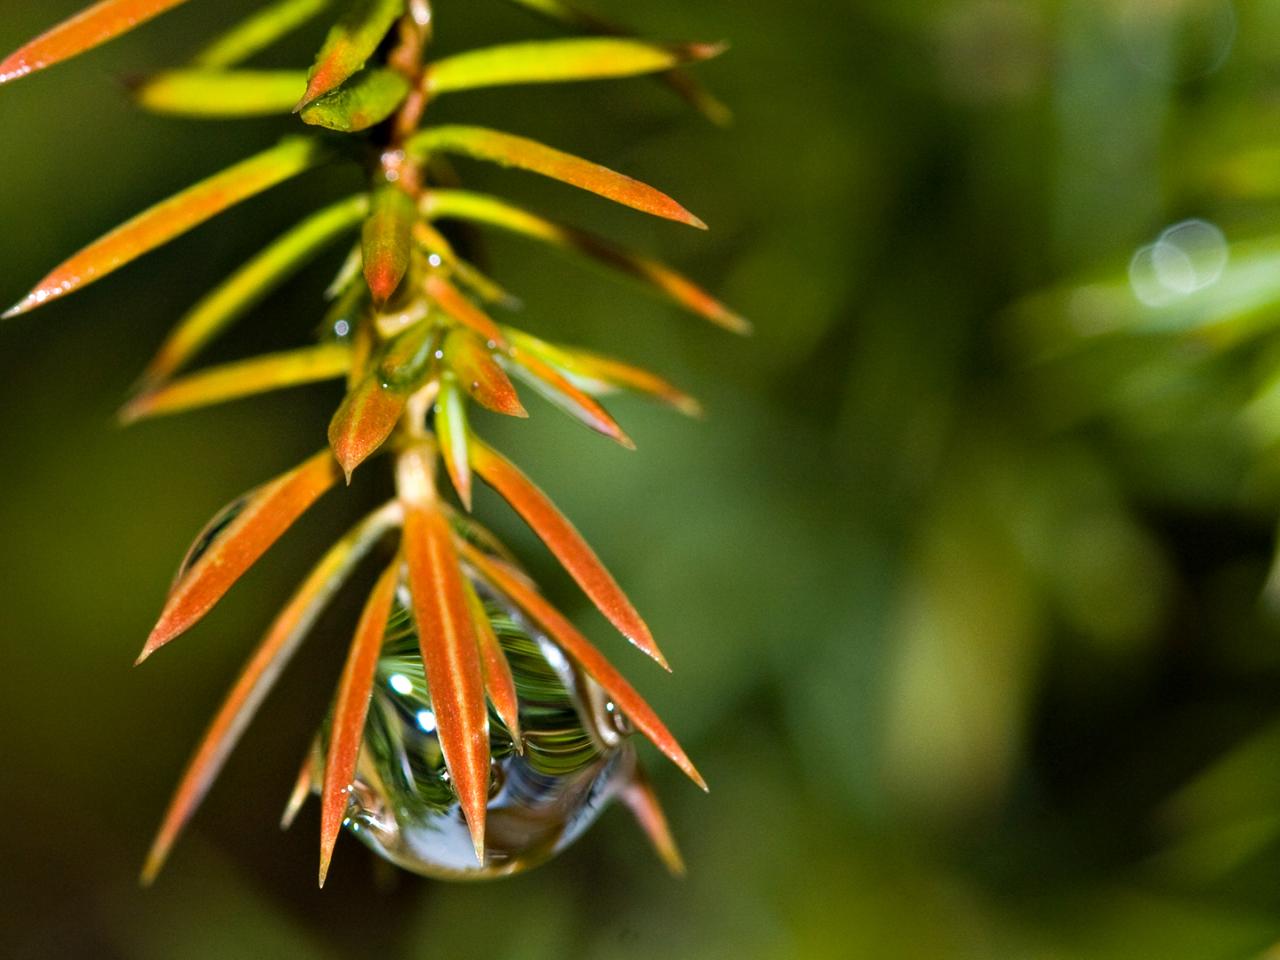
(576, 758)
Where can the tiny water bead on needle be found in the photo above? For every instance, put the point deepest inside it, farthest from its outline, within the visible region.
(549, 779)
(475, 731)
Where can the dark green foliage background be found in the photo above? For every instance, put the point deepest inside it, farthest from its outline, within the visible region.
(952, 633)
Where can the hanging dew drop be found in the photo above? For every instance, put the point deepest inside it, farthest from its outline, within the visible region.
(575, 759)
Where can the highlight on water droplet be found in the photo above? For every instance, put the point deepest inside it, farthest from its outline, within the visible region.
(400, 684)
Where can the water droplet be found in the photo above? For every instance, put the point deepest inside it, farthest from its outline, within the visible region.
(1177, 40)
(1186, 258)
(576, 758)
(210, 535)
(1190, 256)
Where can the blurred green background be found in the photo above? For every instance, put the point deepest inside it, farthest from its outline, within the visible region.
(964, 578)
